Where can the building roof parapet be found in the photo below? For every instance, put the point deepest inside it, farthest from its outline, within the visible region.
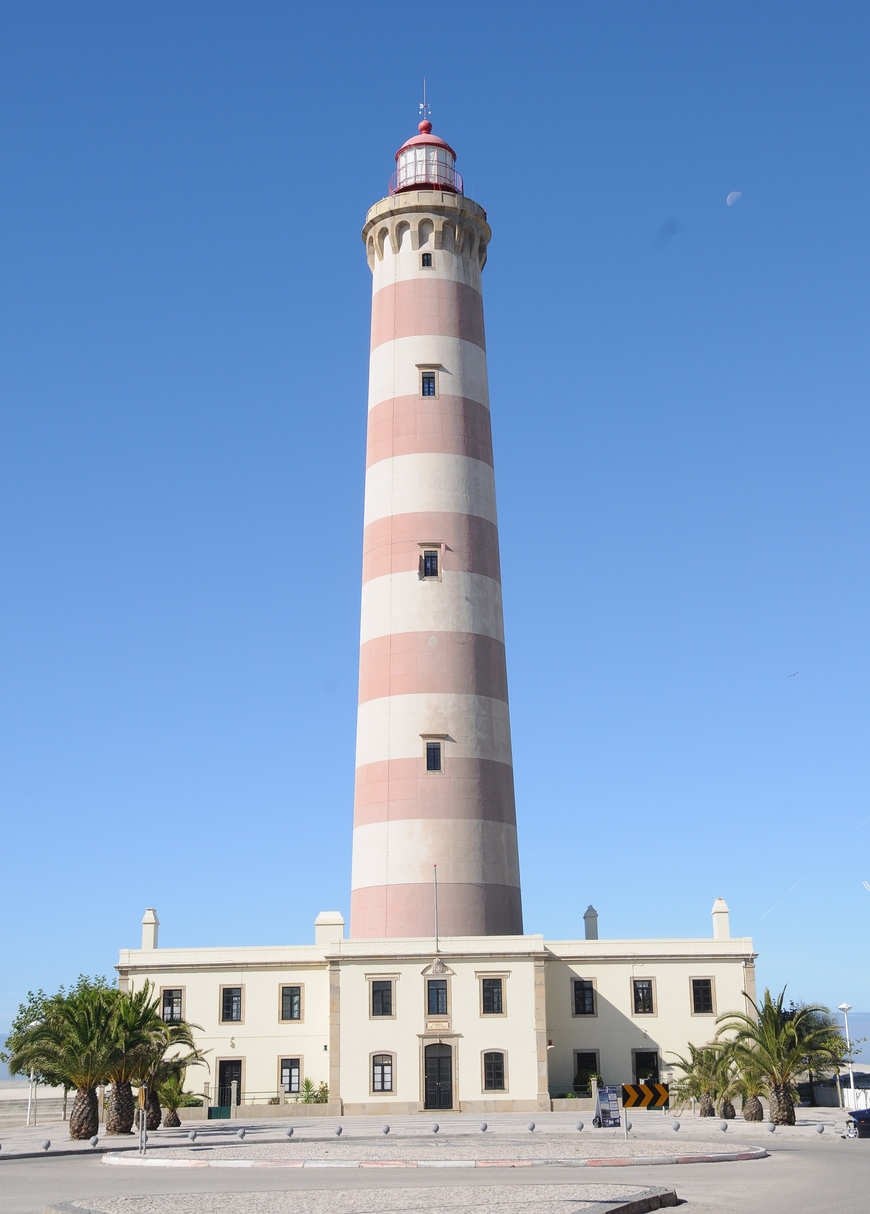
(453, 947)
(622, 950)
(254, 955)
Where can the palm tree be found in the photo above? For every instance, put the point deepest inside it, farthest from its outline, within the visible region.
(171, 1093)
(780, 1043)
(701, 1077)
(153, 1066)
(136, 1021)
(75, 1042)
(727, 1079)
(750, 1086)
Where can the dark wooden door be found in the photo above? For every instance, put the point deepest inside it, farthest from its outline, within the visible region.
(229, 1073)
(439, 1077)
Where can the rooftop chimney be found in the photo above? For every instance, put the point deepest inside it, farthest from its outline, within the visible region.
(721, 921)
(150, 924)
(590, 922)
(328, 928)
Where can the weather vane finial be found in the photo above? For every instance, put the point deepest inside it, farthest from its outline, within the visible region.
(425, 111)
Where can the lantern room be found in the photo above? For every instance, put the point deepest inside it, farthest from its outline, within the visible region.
(425, 163)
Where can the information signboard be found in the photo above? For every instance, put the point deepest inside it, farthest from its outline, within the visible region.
(606, 1107)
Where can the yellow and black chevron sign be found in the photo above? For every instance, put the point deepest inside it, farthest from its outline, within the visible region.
(645, 1095)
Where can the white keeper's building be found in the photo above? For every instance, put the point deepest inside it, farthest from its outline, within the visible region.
(454, 1007)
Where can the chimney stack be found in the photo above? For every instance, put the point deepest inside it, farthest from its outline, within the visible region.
(328, 929)
(150, 924)
(590, 922)
(721, 920)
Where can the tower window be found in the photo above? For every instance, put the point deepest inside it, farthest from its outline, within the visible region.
(427, 383)
(426, 261)
(430, 562)
(433, 756)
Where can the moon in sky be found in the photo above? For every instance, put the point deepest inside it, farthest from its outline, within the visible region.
(733, 197)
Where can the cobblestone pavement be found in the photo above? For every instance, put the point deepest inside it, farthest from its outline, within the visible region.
(489, 1199)
(505, 1147)
(804, 1173)
(316, 1134)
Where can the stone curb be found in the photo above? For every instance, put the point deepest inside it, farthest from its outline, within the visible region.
(53, 1154)
(649, 1199)
(639, 1161)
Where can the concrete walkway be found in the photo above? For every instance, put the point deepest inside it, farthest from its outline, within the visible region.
(804, 1173)
(527, 1171)
(449, 1199)
(318, 1139)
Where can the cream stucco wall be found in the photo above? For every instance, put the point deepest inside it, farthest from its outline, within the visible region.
(615, 1031)
(260, 1039)
(466, 1029)
(538, 1032)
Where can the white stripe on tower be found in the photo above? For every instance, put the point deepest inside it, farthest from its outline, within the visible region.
(432, 659)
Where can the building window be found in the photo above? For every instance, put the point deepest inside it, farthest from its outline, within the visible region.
(291, 1002)
(492, 1000)
(231, 1003)
(291, 1069)
(426, 261)
(585, 1066)
(382, 1073)
(429, 563)
(584, 997)
(436, 997)
(493, 1071)
(702, 996)
(646, 1066)
(427, 383)
(171, 1009)
(382, 998)
(433, 756)
(643, 1001)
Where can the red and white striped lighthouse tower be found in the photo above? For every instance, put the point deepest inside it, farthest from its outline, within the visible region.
(434, 779)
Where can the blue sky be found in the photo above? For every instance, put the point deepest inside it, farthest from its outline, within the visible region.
(680, 416)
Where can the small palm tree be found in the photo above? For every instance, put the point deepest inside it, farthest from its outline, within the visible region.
(171, 1093)
(154, 1063)
(727, 1079)
(701, 1077)
(75, 1041)
(750, 1087)
(779, 1043)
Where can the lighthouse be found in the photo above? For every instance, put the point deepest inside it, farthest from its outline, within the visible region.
(434, 796)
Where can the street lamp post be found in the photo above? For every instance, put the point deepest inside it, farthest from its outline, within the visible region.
(34, 1024)
(846, 1008)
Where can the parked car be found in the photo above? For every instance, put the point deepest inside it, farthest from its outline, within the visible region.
(858, 1125)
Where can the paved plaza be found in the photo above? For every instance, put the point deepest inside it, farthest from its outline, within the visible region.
(508, 1169)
